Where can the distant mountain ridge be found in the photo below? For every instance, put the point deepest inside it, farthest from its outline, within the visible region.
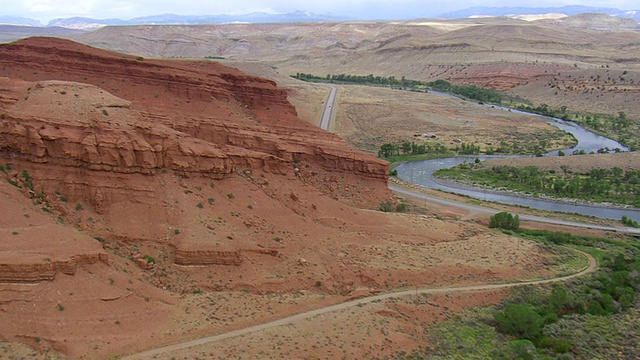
(85, 23)
(569, 10)
(20, 21)
(172, 19)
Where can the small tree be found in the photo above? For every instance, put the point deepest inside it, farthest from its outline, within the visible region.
(521, 321)
(386, 206)
(505, 220)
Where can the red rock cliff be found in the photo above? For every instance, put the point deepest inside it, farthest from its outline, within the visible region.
(80, 115)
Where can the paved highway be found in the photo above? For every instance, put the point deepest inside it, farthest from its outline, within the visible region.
(329, 105)
(325, 124)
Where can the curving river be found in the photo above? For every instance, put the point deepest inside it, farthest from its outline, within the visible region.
(421, 173)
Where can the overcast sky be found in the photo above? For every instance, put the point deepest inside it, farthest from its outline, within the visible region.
(45, 10)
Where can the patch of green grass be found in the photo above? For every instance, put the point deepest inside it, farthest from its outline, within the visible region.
(568, 261)
(596, 253)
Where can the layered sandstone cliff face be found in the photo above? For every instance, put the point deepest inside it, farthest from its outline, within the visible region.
(117, 134)
(142, 116)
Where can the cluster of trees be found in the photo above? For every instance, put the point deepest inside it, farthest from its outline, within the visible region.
(613, 185)
(468, 91)
(468, 149)
(505, 220)
(584, 318)
(612, 290)
(617, 126)
(388, 150)
(361, 79)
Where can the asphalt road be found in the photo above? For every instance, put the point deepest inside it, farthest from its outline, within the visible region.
(489, 211)
(329, 105)
(325, 123)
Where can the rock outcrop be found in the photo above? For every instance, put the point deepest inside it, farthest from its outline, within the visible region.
(79, 115)
(31, 272)
(120, 135)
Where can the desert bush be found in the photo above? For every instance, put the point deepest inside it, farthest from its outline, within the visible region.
(386, 206)
(505, 220)
(521, 321)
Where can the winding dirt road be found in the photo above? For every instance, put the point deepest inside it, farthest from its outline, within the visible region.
(325, 123)
(309, 314)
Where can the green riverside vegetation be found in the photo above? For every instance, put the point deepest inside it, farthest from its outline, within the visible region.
(592, 317)
(466, 91)
(613, 185)
(616, 126)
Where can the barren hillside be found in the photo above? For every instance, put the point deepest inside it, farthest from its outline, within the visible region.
(521, 57)
(149, 201)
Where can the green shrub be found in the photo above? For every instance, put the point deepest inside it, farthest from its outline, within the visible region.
(630, 222)
(230, 196)
(505, 220)
(402, 207)
(386, 206)
(200, 205)
(521, 321)
(149, 259)
(519, 349)
(559, 346)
